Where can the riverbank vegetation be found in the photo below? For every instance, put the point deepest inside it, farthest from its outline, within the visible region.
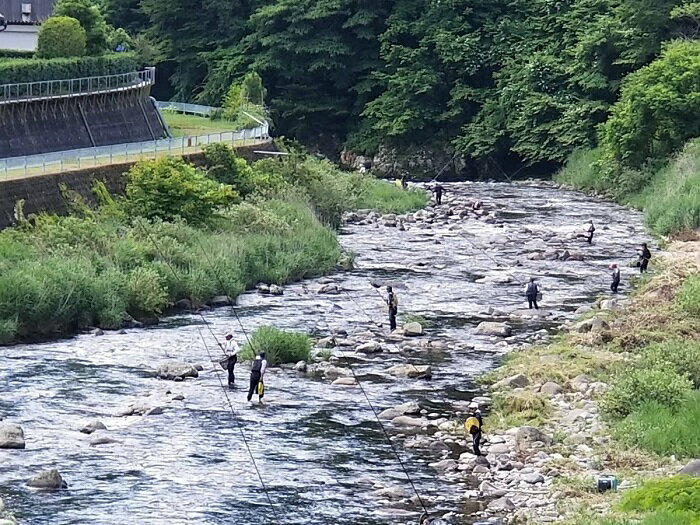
(178, 236)
(644, 361)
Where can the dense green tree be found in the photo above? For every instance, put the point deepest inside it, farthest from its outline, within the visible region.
(89, 16)
(659, 108)
(61, 36)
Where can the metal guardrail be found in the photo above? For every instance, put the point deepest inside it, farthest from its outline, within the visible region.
(183, 107)
(48, 89)
(62, 161)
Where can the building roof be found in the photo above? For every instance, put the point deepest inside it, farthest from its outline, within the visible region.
(39, 10)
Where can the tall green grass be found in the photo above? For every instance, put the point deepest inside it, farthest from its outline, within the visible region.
(279, 346)
(669, 196)
(663, 430)
(662, 517)
(688, 297)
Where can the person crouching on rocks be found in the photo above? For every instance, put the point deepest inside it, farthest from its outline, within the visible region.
(231, 349)
(615, 278)
(473, 426)
(257, 373)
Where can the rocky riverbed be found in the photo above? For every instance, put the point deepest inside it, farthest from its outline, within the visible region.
(135, 448)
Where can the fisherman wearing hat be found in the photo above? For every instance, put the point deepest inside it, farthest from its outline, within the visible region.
(615, 277)
(473, 426)
(257, 374)
(231, 349)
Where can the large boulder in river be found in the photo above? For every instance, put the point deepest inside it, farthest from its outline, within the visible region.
(413, 329)
(371, 347)
(11, 436)
(176, 370)
(411, 371)
(48, 480)
(491, 328)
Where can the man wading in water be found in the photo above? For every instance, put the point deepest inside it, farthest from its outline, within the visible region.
(438, 190)
(591, 229)
(231, 350)
(393, 303)
(473, 426)
(615, 278)
(531, 292)
(257, 373)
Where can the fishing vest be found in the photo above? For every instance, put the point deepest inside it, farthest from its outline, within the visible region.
(532, 289)
(257, 365)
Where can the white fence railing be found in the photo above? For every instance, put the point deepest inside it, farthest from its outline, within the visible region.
(48, 89)
(70, 160)
(183, 107)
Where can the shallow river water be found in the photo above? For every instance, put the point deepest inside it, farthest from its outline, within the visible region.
(318, 448)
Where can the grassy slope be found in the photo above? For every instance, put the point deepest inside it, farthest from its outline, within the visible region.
(186, 125)
(670, 196)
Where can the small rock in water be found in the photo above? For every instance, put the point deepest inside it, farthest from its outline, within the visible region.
(92, 427)
(372, 347)
(174, 370)
(411, 371)
(48, 480)
(300, 366)
(220, 300)
(101, 438)
(413, 329)
(407, 421)
(276, 290)
(344, 381)
(331, 289)
(11, 436)
(98, 332)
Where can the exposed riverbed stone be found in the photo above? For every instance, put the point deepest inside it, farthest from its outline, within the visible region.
(493, 328)
(551, 389)
(48, 480)
(413, 329)
(411, 371)
(101, 438)
(174, 370)
(371, 347)
(344, 381)
(93, 426)
(11, 436)
(516, 381)
(692, 469)
(407, 421)
(220, 300)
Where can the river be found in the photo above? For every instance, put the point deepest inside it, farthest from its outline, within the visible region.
(318, 448)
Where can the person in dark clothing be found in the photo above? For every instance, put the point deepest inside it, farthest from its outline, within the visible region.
(473, 426)
(615, 278)
(438, 190)
(257, 373)
(404, 183)
(393, 304)
(591, 230)
(644, 257)
(531, 291)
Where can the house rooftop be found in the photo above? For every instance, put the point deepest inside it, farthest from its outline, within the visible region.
(26, 11)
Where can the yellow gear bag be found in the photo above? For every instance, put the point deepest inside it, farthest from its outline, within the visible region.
(471, 422)
(261, 388)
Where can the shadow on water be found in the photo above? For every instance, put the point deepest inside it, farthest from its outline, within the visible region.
(318, 448)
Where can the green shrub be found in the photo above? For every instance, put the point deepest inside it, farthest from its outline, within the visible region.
(681, 356)
(279, 346)
(232, 102)
(91, 20)
(169, 189)
(61, 37)
(688, 297)
(633, 388)
(224, 166)
(145, 292)
(661, 430)
(675, 494)
(36, 70)
(662, 517)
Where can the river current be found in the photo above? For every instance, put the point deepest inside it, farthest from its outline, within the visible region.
(319, 449)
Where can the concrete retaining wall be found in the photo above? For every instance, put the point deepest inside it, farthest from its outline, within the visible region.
(42, 193)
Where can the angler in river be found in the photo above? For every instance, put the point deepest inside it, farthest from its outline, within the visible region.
(231, 349)
(644, 257)
(438, 190)
(393, 303)
(532, 290)
(590, 231)
(615, 278)
(473, 426)
(257, 374)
